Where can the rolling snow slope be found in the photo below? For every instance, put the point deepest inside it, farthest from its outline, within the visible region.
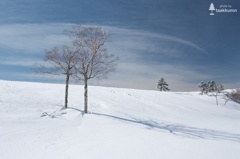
(123, 124)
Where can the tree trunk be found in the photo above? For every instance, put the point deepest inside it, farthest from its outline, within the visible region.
(216, 99)
(85, 96)
(66, 92)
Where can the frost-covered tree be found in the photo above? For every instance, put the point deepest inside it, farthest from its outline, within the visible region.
(210, 87)
(202, 86)
(205, 88)
(162, 85)
(215, 89)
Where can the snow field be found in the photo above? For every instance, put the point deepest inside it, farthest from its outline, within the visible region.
(123, 123)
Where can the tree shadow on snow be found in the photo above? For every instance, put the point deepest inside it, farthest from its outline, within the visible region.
(180, 130)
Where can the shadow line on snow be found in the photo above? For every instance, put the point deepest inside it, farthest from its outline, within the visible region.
(181, 130)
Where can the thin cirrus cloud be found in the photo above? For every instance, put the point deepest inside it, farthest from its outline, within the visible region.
(143, 37)
(24, 62)
(35, 38)
(31, 38)
(132, 46)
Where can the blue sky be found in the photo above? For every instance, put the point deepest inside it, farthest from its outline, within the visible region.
(174, 39)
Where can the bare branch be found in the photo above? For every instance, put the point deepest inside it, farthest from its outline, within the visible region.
(93, 60)
(234, 95)
(61, 61)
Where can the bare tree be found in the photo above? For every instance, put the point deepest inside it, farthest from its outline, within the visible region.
(218, 89)
(234, 95)
(59, 61)
(215, 89)
(93, 61)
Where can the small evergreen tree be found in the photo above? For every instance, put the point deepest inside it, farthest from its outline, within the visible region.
(162, 85)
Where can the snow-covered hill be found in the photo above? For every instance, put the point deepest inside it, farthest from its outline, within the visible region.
(123, 124)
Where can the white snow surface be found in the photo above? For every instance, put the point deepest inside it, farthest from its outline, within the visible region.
(122, 124)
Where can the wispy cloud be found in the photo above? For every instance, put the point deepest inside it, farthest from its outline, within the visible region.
(19, 61)
(32, 38)
(35, 37)
(136, 37)
(133, 47)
